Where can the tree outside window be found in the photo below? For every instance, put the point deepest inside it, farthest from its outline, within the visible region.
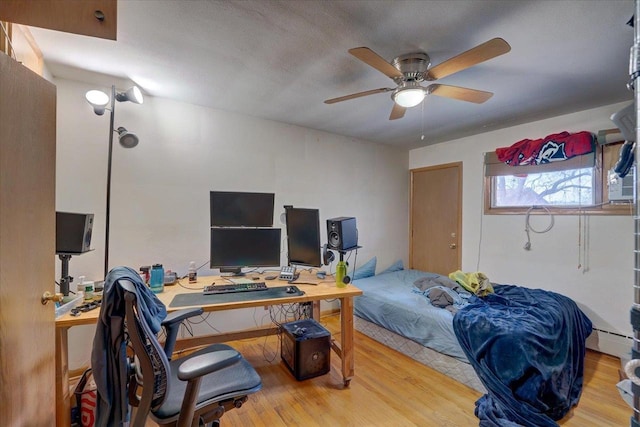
(559, 188)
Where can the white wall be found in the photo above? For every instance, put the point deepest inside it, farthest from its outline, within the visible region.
(160, 189)
(493, 244)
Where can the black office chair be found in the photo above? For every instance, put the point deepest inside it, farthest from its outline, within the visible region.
(194, 390)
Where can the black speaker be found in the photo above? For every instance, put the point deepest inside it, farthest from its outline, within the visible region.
(306, 348)
(73, 232)
(342, 233)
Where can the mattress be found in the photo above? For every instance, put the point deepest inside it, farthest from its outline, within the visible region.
(460, 371)
(525, 346)
(389, 301)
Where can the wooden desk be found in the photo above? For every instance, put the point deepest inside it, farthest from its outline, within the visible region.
(324, 290)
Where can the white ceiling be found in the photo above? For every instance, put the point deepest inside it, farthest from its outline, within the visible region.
(280, 60)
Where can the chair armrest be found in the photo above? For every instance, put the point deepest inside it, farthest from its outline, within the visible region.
(172, 323)
(180, 315)
(204, 364)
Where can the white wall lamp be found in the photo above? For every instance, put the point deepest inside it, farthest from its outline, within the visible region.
(99, 101)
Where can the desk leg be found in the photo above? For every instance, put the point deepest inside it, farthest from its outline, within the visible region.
(315, 310)
(63, 397)
(346, 339)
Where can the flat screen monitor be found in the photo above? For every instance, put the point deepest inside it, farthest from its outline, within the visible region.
(238, 209)
(235, 248)
(303, 236)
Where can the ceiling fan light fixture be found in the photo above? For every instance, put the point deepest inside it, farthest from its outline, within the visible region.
(408, 70)
(409, 96)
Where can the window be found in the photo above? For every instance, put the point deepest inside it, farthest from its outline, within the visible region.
(573, 187)
(577, 185)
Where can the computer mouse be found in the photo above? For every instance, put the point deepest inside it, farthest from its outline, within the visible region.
(321, 274)
(290, 290)
(270, 277)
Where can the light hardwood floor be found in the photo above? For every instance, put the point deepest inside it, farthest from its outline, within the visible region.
(390, 389)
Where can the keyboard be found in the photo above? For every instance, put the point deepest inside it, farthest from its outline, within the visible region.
(234, 287)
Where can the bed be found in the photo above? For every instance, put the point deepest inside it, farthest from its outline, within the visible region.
(524, 348)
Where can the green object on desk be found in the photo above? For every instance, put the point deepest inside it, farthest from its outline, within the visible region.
(341, 272)
(191, 299)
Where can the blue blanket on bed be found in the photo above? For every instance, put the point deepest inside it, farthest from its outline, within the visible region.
(528, 347)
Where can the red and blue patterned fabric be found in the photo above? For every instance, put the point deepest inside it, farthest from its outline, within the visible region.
(551, 148)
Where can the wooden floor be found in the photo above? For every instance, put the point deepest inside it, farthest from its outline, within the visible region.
(390, 389)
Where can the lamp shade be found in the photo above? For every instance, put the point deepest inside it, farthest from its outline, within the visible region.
(98, 101)
(409, 96)
(127, 139)
(132, 94)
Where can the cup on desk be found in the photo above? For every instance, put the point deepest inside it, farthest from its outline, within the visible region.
(89, 288)
(86, 288)
(156, 281)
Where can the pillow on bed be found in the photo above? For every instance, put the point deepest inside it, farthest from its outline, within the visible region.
(368, 269)
(396, 266)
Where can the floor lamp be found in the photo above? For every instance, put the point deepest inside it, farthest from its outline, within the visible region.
(99, 101)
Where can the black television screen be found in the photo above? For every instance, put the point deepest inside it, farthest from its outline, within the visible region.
(234, 248)
(238, 209)
(303, 236)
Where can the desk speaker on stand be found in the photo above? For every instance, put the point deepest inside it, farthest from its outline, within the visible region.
(342, 233)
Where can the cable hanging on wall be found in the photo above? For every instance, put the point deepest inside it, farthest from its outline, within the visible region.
(583, 241)
(528, 227)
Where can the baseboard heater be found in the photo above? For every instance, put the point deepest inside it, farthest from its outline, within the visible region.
(613, 333)
(613, 343)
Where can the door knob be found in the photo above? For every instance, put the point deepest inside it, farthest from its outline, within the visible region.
(48, 296)
(453, 246)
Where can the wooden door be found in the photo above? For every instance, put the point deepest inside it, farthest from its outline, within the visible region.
(436, 218)
(27, 246)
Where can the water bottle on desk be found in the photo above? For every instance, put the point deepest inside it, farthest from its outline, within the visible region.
(341, 272)
(193, 272)
(156, 282)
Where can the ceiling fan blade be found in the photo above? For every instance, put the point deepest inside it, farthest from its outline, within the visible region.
(397, 112)
(484, 52)
(459, 93)
(357, 95)
(371, 58)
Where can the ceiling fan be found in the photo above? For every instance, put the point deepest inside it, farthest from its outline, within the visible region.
(409, 70)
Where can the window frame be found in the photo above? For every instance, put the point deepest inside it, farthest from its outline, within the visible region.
(606, 157)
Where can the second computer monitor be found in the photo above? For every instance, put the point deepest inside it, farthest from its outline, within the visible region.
(240, 209)
(235, 248)
(303, 236)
